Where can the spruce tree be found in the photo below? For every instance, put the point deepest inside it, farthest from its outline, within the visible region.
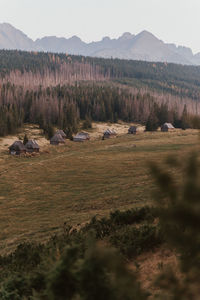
(185, 119)
(87, 124)
(152, 122)
(25, 141)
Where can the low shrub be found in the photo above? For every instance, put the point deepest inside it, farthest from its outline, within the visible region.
(132, 241)
(69, 266)
(132, 216)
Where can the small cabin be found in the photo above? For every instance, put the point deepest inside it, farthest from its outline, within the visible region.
(135, 129)
(81, 137)
(17, 148)
(167, 127)
(57, 139)
(109, 133)
(32, 146)
(61, 132)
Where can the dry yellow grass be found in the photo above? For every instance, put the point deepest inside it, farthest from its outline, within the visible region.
(150, 265)
(76, 181)
(33, 132)
(98, 129)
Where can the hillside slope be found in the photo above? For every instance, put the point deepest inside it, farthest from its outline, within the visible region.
(35, 68)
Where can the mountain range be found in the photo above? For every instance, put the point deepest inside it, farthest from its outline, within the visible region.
(143, 46)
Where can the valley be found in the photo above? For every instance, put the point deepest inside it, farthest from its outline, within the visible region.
(103, 215)
(99, 150)
(76, 181)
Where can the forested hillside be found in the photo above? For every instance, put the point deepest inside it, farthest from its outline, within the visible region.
(64, 106)
(37, 68)
(60, 90)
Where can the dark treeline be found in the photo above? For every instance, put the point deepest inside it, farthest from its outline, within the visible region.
(11, 118)
(65, 106)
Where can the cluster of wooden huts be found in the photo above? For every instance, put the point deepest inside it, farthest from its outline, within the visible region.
(18, 147)
(59, 137)
(138, 129)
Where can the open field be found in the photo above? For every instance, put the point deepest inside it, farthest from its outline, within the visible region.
(76, 181)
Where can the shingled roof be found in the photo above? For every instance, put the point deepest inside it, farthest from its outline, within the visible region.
(81, 136)
(135, 129)
(168, 125)
(56, 139)
(32, 144)
(110, 132)
(61, 132)
(17, 146)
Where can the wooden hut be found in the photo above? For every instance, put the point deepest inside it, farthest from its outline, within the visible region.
(61, 132)
(57, 139)
(32, 146)
(109, 133)
(135, 129)
(17, 148)
(167, 127)
(81, 137)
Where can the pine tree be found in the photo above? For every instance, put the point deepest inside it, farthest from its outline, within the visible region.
(69, 132)
(25, 141)
(49, 130)
(152, 122)
(185, 119)
(87, 124)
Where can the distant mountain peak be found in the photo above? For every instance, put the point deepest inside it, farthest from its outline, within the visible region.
(126, 36)
(12, 38)
(146, 35)
(4, 24)
(75, 38)
(145, 32)
(8, 27)
(106, 38)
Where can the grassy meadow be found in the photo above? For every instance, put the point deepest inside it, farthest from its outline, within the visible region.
(73, 182)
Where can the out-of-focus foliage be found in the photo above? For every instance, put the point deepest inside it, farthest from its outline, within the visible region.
(81, 264)
(178, 207)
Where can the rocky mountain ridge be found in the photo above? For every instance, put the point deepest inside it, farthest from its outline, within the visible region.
(143, 46)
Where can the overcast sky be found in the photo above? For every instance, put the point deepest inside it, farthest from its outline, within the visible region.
(175, 21)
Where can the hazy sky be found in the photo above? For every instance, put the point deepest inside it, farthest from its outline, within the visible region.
(176, 21)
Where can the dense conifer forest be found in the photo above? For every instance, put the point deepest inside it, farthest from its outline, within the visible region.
(176, 79)
(64, 106)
